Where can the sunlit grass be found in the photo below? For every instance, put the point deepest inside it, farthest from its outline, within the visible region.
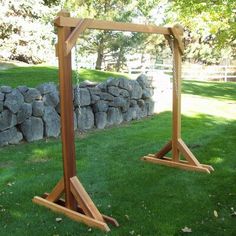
(146, 199)
(32, 76)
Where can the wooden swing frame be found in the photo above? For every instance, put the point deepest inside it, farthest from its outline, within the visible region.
(77, 204)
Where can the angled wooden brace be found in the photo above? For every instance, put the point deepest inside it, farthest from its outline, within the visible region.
(86, 211)
(79, 29)
(177, 32)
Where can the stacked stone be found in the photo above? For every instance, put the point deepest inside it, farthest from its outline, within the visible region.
(112, 102)
(28, 113)
(34, 113)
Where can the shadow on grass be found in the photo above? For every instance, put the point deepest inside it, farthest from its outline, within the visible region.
(142, 197)
(218, 90)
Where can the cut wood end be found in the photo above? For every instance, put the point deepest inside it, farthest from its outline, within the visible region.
(179, 28)
(63, 12)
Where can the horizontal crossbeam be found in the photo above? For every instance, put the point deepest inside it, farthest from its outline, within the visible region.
(111, 25)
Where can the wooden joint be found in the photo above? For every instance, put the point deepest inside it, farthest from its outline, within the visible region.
(84, 200)
(191, 162)
(79, 29)
(178, 37)
(72, 214)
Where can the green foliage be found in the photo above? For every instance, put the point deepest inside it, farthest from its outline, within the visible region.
(114, 45)
(212, 25)
(26, 32)
(146, 199)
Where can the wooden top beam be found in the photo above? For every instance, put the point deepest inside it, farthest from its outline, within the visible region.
(111, 25)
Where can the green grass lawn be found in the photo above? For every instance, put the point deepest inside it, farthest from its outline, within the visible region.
(146, 199)
(32, 76)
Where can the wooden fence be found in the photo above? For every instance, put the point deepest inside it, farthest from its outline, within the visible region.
(191, 72)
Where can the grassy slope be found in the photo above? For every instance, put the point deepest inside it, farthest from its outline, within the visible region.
(35, 75)
(146, 199)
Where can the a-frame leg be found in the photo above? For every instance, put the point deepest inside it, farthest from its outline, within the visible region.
(177, 145)
(86, 211)
(191, 163)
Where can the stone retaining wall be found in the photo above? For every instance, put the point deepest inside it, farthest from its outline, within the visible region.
(34, 113)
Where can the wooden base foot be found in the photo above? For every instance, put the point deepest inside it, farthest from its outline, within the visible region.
(85, 212)
(181, 165)
(71, 214)
(191, 163)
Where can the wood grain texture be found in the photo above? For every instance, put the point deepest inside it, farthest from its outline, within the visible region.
(67, 113)
(111, 25)
(169, 162)
(72, 214)
(57, 191)
(84, 200)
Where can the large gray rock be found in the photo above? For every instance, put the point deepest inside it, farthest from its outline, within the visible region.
(136, 92)
(10, 136)
(94, 99)
(2, 96)
(133, 103)
(24, 112)
(143, 81)
(32, 129)
(87, 83)
(114, 116)
(124, 93)
(101, 120)
(38, 108)
(82, 97)
(58, 108)
(141, 103)
(47, 88)
(113, 91)
(5, 89)
(120, 102)
(32, 94)
(112, 82)
(125, 84)
(150, 107)
(7, 120)
(144, 111)
(16, 138)
(14, 100)
(75, 121)
(95, 91)
(52, 122)
(102, 86)
(130, 114)
(51, 99)
(106, 96)
(85, 118)
(94, 94)
(101, 106)
(138, 112)
(1, 106)
(147, 93)
(23, 89)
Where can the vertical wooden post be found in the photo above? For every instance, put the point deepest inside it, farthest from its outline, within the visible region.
(176, 119)
(67, 113)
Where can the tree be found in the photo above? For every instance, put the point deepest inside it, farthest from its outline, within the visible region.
(26, 32)
(210, 27)
(111, 43)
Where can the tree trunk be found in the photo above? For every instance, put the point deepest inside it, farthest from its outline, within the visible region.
(119, 59)
(100, 54)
